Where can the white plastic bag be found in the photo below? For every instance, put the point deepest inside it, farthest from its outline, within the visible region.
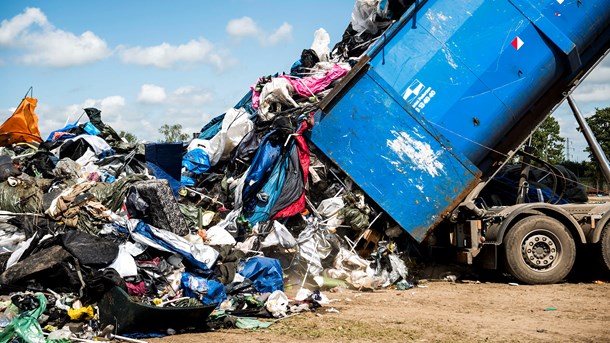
(124, 263)
(279, 236)
(321, 40)
(277, 304)
(277, 91)
(235, 125)
(205, 254)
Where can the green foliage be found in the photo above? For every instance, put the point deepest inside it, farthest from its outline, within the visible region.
(578, 168)
(548, 144)
(173, 133)
(600, 125)
(129, 137)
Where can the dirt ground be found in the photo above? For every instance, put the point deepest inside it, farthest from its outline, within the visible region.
(440, 311)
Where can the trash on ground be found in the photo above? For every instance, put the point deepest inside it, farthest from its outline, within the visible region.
(101, 237)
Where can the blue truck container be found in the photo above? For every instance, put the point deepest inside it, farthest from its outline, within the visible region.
(448, 92)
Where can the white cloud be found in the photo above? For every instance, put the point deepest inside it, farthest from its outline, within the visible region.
(243, 27)
(168, 56)
(10, 30)
(246, 27)
(282, 34)
(191, 95)
(184, 96)
(592, 92)
(151, 94)
(601, 74)
(45, 45)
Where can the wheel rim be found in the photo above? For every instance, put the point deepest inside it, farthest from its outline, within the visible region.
(541, 250)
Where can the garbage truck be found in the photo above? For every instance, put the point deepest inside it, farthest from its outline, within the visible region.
(443, 100)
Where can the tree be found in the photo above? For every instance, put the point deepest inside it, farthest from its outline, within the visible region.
(173, 133)
(129, 137)
(600, 125)
(548, 144)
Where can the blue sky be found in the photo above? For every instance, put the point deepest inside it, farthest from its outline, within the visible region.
(149, 63)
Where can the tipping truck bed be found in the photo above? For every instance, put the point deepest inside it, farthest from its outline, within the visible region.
(446, 94)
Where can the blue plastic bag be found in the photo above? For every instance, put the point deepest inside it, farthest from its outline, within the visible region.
(265, 273)
(209, 292)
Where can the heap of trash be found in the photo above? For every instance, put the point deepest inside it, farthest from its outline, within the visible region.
(102, 238)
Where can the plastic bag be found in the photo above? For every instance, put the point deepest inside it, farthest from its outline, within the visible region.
(81, 314)
(321, 40)
(205, 254)
(207, 291)
(26, 326)
(124, 263)
(277, 304)
(279, 236)
(235, 125)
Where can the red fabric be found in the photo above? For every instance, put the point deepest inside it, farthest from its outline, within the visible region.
(136, 289)
(298, 205)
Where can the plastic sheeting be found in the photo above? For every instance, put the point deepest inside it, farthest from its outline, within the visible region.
(279, 236)
(25, 326)
(167, 241)
(124, 263)
(370, 16)
(207, 291)
(329, 210)
(196, 161)
(313, 247)
(265, 273)
(276, 92)
(235, 125)
(320, 44)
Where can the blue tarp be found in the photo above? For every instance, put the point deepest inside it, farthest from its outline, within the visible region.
(262, 165)
(246, 104)
(145, 230)
(196, 161)
(63, 129)
(211, 129)
(265, 273)
(207, 291)
(257, 210)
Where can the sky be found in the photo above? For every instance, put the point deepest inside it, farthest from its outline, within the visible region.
(149, 63)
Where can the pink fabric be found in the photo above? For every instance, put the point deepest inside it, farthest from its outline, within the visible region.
(309, 86)
(136, 289)
(298, 205)
(58, 135)
(255, 95)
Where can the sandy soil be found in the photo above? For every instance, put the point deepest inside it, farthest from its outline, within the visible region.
(437, 311)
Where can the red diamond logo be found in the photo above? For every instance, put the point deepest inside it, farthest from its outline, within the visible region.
(517, 43)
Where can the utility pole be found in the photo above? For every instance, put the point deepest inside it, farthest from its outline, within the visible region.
(568, 149)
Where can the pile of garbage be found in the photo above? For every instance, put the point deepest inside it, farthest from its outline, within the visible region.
(99, 236)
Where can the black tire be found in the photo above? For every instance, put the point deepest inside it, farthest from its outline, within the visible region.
(539, 250)
(604, 248)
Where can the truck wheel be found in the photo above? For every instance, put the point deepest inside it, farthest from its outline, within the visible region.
(604, 247)
(539, 249)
